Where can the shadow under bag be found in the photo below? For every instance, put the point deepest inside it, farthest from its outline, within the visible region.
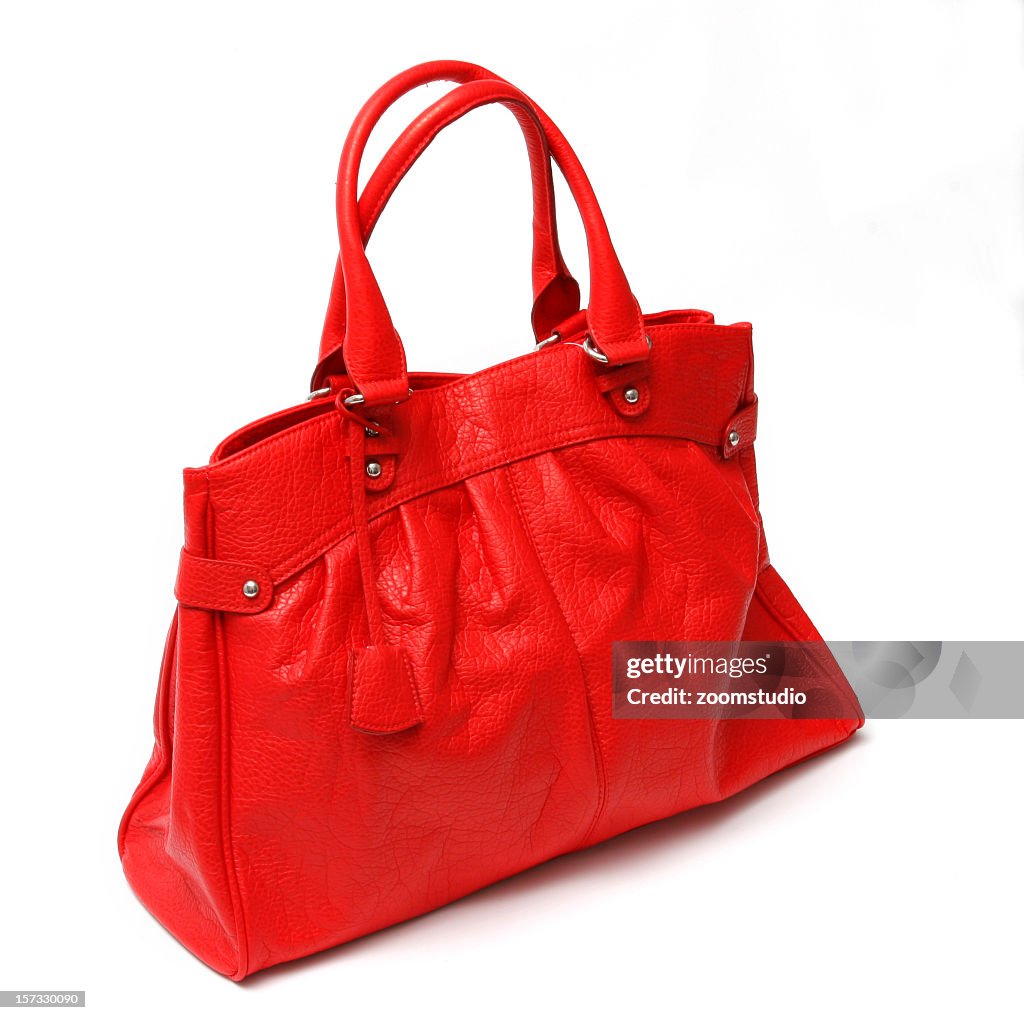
(388, 680)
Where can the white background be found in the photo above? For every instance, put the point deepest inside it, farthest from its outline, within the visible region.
(848, 176)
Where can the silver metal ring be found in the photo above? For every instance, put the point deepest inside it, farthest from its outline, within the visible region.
(593, 350)
(317, 394)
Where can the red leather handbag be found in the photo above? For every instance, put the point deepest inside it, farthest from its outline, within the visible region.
(387, 682)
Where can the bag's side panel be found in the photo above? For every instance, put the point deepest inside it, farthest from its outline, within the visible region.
(775, 615)
(340, 832)
(743, 751)
(172, 835)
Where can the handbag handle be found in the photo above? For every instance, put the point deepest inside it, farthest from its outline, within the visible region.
(374, 355)
(556, 292)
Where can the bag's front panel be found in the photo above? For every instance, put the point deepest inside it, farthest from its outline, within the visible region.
(338, 832)
(505, 592)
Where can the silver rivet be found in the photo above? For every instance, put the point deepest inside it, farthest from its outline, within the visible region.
(370, 432)
(250, 589)
(734, 438)
(373, 469)
(631, 395)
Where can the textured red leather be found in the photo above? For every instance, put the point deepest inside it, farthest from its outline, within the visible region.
(220, 584)
(417, 700)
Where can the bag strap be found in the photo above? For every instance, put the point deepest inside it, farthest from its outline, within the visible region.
(374, 356)
(556, 293)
